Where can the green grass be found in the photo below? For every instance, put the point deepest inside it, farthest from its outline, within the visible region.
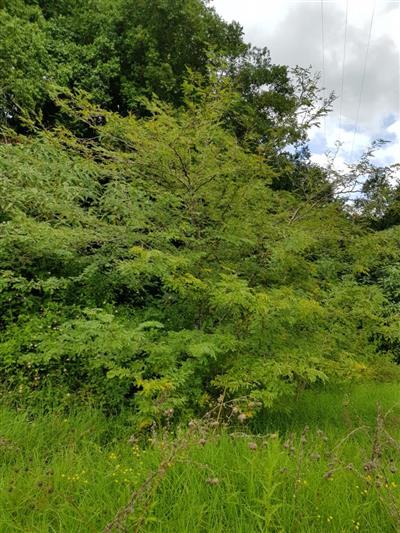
(73, 474)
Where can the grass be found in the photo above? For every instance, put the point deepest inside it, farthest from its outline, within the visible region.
(338, 475)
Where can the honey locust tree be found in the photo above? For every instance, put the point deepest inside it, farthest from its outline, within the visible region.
(154, 265)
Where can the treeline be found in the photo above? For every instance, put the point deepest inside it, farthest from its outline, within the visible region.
(165, 238)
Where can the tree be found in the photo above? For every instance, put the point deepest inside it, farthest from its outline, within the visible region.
(153, 265)
(25, 65)
(119, 51)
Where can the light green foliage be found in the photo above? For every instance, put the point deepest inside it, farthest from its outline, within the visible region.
(153, 265)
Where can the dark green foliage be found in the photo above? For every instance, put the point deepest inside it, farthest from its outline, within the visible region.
(125, 50)
(380, 200)
(278, 104)
(120, 51)
(25, 65)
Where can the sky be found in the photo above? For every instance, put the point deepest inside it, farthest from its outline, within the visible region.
(365, 77)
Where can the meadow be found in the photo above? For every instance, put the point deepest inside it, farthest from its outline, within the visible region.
(328, 464)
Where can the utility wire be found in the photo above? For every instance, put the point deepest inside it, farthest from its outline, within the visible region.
(343, 67)
(363, 80)
(323, 57)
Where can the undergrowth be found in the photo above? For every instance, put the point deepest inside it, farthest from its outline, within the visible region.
(331, 465)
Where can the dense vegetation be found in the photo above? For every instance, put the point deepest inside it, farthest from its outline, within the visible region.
(165, 239)
(194, 317)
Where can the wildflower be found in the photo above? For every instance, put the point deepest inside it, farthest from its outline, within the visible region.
(252, 446)
(136, 451)
(212, 481)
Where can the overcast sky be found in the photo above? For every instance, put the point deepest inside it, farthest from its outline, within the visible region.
(292, 30)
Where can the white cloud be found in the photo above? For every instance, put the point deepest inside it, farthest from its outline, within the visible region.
(390, 152)
(386, 155)
(291, 29)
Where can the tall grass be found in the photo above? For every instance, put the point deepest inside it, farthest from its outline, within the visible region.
(328, 465)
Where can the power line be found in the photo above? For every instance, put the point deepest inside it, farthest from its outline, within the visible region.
(323, 57)
(343, 66)
(363, 80)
